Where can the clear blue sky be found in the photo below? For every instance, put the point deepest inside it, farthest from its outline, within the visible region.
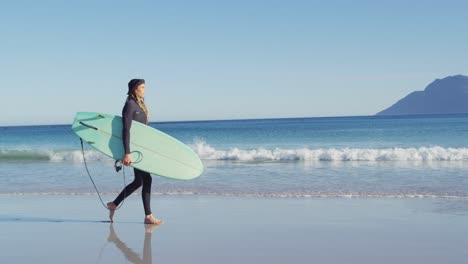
(224, 59)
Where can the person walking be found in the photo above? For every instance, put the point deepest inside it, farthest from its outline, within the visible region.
(134, 109)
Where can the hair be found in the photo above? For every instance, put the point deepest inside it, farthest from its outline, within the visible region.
(141, 103)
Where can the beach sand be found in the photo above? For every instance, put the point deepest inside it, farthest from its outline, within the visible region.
(217, 229)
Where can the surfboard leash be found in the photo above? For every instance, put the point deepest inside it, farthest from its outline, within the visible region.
(117, 168)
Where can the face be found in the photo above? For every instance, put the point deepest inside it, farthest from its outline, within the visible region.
(140, 91)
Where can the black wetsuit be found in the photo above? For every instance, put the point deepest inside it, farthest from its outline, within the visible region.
(132, 111)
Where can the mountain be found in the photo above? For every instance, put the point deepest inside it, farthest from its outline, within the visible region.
(443, 96)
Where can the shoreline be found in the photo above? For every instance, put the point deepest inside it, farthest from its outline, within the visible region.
(256, 196)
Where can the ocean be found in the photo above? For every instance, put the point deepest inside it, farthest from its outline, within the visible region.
(368, 156)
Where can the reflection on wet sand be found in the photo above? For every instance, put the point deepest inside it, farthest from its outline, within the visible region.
(129, 254)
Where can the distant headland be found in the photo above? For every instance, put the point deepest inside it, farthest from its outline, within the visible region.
(443, 96)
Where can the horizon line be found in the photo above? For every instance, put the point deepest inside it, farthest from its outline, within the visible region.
(262, 118)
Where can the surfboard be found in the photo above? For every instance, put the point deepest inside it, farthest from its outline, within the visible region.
(153, 151)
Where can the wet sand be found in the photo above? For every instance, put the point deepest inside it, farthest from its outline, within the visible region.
(217, 229)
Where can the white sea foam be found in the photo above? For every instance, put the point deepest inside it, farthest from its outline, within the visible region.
(33, 155)
(207, 152)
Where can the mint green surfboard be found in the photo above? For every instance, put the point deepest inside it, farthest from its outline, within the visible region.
(152, 150)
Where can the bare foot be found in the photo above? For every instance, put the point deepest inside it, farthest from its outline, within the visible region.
(151, 220)
(111, 206)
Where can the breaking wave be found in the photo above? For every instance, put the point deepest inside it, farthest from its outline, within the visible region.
(28, 155)
(207, 152)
